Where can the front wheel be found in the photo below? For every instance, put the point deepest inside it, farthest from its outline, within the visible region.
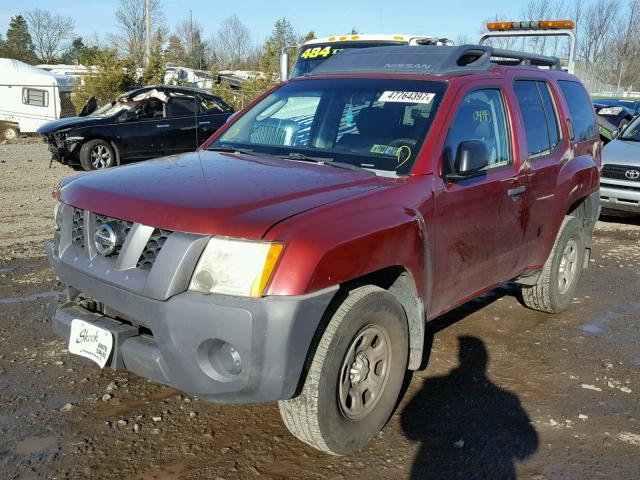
(355, 375)
(97, 154)
(558, 281)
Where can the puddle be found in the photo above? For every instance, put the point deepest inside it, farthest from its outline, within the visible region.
(5, 270)
(32, 445)
(616, 324)
(31, 298)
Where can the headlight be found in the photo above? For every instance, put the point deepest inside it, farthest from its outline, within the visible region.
(610, 111)
(235, 267)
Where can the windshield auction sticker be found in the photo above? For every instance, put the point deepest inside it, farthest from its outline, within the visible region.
(91, 342)
(406, 97)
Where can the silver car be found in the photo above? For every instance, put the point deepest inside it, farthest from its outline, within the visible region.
(620, 176)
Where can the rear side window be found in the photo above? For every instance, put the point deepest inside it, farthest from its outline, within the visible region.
(35, 97)
(539, 116)
(581, 109)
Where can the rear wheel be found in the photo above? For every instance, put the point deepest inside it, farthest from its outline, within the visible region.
(10, 132)
(97, 154)
(558, 281)
(355, 375)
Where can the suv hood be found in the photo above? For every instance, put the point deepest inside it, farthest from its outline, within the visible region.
(214, 193)
(621, 152)
(69, 122)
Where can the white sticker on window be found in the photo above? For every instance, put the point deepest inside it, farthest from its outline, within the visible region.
(406, 97)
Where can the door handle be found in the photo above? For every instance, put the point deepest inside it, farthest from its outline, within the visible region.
(514, 192)
(164, 125)
(204, 123)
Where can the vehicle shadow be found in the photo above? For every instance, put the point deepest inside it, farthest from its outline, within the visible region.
(469, 428)
(625, 220)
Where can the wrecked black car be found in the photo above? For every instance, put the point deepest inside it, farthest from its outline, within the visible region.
(144, 123)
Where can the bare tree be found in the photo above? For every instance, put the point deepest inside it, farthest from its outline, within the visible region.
(131, 22)
(197, 51)
(49, 33)
(232, 42)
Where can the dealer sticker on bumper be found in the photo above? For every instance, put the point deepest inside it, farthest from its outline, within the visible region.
(91, 342)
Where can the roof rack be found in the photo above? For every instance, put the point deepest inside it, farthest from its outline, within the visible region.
(430, 59)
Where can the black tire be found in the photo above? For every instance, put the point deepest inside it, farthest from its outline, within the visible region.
(320, 415)
(553, 291)
(97, 154)
(10, 132)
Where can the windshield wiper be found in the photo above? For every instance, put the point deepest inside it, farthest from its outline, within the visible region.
(320, 161)
(230, 149)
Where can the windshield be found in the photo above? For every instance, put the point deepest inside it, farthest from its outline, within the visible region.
(368, 123)
(632, 131)
(313, 55)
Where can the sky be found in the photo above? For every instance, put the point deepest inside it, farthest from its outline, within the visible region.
(442, 18)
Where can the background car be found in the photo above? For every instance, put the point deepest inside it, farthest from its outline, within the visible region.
(618, 111)
(620, 176)
(145, 123)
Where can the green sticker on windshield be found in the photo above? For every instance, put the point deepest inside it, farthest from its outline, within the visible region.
(384, 150)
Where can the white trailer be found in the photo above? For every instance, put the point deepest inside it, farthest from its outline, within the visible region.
(30, 97)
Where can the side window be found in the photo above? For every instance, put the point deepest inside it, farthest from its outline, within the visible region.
(35, 97)
(551, 113)
(538, 115)
(481, 116)
(182, 106)
(581, 109)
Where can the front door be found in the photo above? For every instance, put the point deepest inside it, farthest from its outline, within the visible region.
(140, 131)
(480, 221)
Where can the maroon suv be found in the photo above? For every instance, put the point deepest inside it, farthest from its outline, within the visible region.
(298, 254)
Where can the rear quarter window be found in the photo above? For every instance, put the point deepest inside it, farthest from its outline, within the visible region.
(581, 109)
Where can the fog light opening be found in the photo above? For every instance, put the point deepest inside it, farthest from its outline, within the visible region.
(219, 359)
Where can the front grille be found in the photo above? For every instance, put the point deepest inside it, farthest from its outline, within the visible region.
(77, 230)
(618, 172)
(122, 228)
(152, 248)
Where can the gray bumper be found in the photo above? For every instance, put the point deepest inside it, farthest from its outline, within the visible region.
(190, 334)
(621, 196)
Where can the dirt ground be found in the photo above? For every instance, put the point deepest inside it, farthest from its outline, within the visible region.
(507, 392)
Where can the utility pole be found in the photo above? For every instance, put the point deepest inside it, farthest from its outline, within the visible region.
(148, 19)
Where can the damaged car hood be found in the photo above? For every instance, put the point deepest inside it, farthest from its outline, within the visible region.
(216, 193)
(69, 122)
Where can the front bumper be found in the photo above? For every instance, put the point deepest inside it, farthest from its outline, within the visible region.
(178, 341)
(620, 196)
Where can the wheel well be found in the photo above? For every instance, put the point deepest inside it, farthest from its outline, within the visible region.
(400, 283)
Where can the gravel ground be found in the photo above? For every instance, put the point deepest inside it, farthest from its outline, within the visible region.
(528, 395)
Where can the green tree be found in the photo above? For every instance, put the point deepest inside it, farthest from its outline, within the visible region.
(18, 44)
(78, 53)
(111, 77)
(154, 71)
(3, 46)
(281, 36)
(175, 52)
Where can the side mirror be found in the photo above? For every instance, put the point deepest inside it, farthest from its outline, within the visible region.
(615, 133)
(472, 156)
(284, 66)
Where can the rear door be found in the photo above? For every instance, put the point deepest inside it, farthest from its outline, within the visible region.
(479, 228)
(212, 114)
(182, 131)
(545, 151)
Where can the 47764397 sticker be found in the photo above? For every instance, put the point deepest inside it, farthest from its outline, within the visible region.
(406, 97)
